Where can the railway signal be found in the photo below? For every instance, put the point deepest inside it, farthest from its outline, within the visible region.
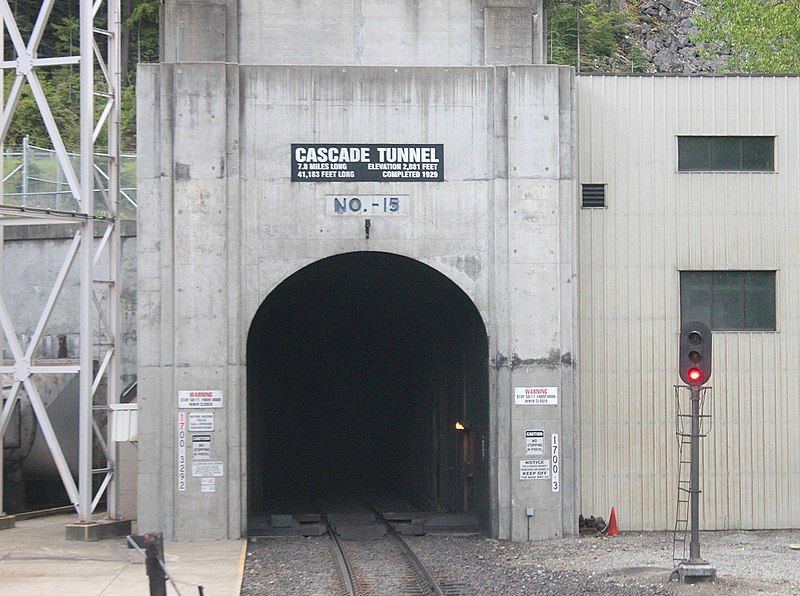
(694, 363)
(694, 367)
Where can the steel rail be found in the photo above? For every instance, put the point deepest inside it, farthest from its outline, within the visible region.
(409, 554)
(341, 560)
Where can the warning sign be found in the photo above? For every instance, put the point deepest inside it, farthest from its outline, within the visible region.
(325, 162)
(534, 442)
(536, 396)
(534, 469)
(206, 468)
(201, 447)
(181, 451)
(201, 422)
(200, 399)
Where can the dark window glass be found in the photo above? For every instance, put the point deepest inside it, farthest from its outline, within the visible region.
(759, 299)
(728, 153)
(729, 300)
(694, 153)
(758, 154)
(727, 307)
(696, 296)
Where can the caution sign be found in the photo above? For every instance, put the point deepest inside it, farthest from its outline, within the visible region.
(534, 442)
(534, 469)
(323, 162)
(201, 447)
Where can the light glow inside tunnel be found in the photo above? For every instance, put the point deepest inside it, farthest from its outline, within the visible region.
(358, 367)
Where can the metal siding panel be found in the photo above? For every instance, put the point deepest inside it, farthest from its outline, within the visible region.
(631, 253)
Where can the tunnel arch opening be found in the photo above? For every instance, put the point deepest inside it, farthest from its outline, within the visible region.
(359, 366)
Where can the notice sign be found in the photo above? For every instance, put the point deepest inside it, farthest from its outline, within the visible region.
(534, 442)
(208, 485)
(201, 447)
(534, 469)
(202, 422)
(556, 463)
(181, 451)
(206, 468)
(328, 162)
(200, 399)
(536, 396)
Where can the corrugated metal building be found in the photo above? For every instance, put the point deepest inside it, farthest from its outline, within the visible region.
(662, 218)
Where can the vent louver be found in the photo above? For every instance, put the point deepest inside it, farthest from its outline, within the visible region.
(593, 195)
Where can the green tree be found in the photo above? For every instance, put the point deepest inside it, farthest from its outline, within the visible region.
(751, 35)
(61, 83)
(596, 28)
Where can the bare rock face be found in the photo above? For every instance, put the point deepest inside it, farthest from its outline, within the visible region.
(663, 33)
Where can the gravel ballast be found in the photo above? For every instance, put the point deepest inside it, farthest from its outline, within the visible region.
(630, 563)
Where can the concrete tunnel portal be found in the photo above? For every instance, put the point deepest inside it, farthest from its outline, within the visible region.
(359, 366)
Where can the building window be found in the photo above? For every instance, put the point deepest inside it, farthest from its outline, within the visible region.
(593, 195)
(729, 300)
(744, 154)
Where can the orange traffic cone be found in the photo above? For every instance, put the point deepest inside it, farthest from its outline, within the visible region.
(613, 529)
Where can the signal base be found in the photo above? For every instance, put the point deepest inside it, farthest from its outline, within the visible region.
(694, 572)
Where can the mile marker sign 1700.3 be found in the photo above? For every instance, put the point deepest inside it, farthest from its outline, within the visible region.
(352, 162)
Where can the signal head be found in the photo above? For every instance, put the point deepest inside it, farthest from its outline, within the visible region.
(694, 362)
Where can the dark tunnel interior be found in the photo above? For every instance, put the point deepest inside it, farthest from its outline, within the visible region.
(358, 368)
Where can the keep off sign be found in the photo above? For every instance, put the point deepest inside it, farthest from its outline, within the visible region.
(534, 469)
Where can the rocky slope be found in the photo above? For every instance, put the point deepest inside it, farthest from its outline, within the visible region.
(662, 31)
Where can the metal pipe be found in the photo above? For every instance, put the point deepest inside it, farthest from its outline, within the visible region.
(115, 242)
(694, 477)
(85, 431)
(25, 169)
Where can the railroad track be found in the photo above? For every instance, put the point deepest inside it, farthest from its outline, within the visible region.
(384, 566)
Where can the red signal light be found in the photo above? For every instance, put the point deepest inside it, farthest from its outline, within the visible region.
(695, 374)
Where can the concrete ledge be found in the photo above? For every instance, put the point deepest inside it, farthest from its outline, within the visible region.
(7, 521)
(98, 530)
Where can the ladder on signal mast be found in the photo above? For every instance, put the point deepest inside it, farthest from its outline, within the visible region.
(679, 543)
(684, 435)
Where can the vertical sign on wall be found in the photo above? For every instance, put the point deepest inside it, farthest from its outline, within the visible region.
(556, 463)
(181, 451)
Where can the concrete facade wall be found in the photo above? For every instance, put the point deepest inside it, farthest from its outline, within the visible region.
(221, 225)
(355, 32)
(659, 222)
(33, 256)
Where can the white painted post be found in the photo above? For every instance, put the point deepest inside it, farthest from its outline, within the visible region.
(114, 246)
(86, 288)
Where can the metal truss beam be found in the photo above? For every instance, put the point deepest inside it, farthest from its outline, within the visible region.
(99, 313)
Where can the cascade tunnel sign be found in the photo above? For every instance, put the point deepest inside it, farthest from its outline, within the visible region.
(348, 162)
